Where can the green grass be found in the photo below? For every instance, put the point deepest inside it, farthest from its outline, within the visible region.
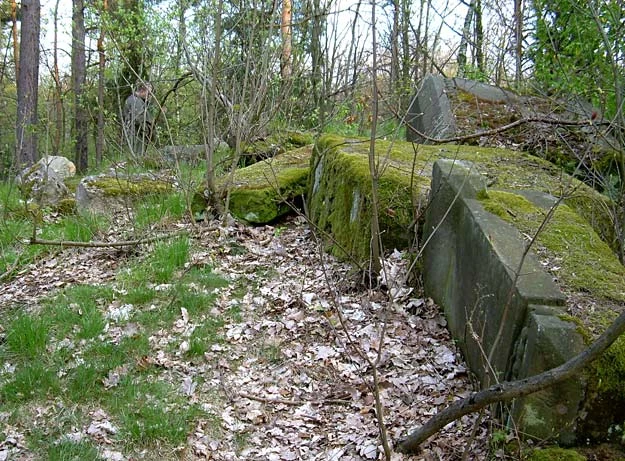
(160, 209)
(27, 336)
(72, 451)
(139, 295)
(204, 336)
(161, 266)
(34, 380)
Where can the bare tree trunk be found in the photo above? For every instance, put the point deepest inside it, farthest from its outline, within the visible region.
(28, 85)
(214, 200)
(16, 44)
(286, 66)
(518, 36)
(373, 167)
(57, 138)
(395, 47)
(78, 83)
(99, 143)
(479, 39)
(464, 40)
(405, 58)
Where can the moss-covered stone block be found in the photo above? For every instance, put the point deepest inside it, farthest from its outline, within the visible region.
(588, 270)
(265, 191)
(340, 191)
(110, 192)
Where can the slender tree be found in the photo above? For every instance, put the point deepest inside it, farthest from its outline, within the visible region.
(518, 38)
(78, 84)
(286, 62)
(99, 144)
(16, 54)
(28, 85)
(57, 138)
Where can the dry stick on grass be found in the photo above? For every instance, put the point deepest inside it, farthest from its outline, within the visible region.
(123, 243)
(507, 391)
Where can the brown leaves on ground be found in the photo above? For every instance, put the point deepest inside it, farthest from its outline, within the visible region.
(288, 382)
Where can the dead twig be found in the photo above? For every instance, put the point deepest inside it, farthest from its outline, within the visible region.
(507, 391)
(509, 126)
(294, 402)
(118, 244)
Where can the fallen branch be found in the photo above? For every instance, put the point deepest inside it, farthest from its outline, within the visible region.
(123, 243)
(509, 126)
(294, 402)
(510, 390)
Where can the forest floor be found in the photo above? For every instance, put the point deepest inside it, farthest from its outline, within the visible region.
(257, 346)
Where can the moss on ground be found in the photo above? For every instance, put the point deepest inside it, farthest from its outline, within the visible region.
(555, 454)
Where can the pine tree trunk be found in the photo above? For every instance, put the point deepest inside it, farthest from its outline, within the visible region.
(78, 83)
(28, 85)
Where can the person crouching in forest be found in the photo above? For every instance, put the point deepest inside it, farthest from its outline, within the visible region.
(138, 120)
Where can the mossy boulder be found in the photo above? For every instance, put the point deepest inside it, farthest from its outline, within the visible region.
(107, 193)
(273, 145)
(267, 190)
(340, 191)
(42, 183)
(339, 195)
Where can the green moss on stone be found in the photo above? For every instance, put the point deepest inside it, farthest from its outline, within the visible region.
(555, 454)
(588, 262)
(66, 206)
(140, 186)
(609, 369)
(260, 192)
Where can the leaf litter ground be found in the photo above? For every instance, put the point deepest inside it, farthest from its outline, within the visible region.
(280, 379)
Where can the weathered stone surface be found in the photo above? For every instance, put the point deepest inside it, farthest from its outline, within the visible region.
(483, 91)
(267, 190)
(547, 342)
(339, 197)
(107, 193)
(474, 300)
(192, 154)
(430, 112)
(43, 182)
(513, 314)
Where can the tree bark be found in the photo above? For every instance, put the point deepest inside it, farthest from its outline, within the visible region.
(464, 40)
(57, 138)
(287, 36)
(78, 83)
(16, 44)
(518, 36)
(99, 143)
(510, 390)
(28, 85)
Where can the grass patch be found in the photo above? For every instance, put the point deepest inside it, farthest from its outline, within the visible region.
(160, 266)
(27, 337)
(66, 450)
(204, 336)
(33, 381)
(158, 209)
(139, 295)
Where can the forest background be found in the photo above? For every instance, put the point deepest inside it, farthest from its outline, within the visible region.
(237, 70)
